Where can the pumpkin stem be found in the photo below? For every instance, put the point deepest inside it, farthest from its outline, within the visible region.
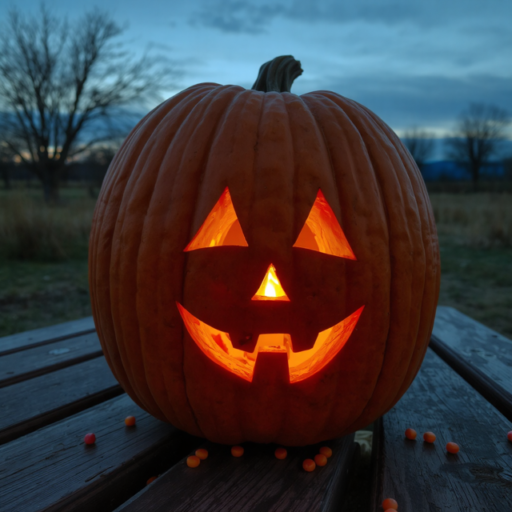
(278, 74)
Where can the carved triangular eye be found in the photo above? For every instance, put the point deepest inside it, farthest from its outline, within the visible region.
(221, 227)
(322, 232)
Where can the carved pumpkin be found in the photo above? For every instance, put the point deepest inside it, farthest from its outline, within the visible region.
(264, 266)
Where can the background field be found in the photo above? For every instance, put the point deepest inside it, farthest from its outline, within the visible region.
(43, 257)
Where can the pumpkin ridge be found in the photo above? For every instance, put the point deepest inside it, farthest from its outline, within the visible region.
(236, 104)
(96, 231)
(319, 134)
(387, 348)
(129, 199)
(126, 203)
(382, 148)
(229, 94)
(430, 244)
(413, 366)
(204, 103)
(326, 100)
(427, 309)
(336, 384)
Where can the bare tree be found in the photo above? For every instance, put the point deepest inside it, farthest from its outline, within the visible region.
(479, 131)
(64, 88)
(5, 165)
(420, 144)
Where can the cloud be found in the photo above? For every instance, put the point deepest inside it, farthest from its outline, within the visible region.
(430, 101)
(236, 16)
(253, 17)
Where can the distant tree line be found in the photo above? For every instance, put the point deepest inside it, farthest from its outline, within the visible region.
(479, 132)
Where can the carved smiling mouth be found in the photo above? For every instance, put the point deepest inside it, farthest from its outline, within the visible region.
(218, 347)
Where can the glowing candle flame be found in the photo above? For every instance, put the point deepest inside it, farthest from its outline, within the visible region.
(270, 288)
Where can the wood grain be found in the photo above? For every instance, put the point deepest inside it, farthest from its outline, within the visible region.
(31, 404)
(423, 477)
(52, 469)
(480, 346)
(257, 481)
(28, 339)
(29, 363)
(480, 355)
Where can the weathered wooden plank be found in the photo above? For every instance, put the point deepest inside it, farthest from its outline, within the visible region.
(257, 481)
(29, 363)
(424, 477)
(29, 339)
(31, 404)
(52, 469)
(480, 355)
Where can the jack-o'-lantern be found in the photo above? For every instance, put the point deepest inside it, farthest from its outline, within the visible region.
(264, 266)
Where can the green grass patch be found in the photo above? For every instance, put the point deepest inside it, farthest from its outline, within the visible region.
(38, 294)
(478, 282)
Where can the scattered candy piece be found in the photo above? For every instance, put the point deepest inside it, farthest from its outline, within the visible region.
(509, 436)
(325, 450)
(129, 421)
(193, 461)
(309, 465)
(280, 453)
(452, 447)
(429, 437)
(410, 433)
(237, 451)
(202, 453)
(389, 504)
(320, 459)
(152, 479)
(89, 438)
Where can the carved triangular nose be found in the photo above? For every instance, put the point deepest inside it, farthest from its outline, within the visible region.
(270, 288)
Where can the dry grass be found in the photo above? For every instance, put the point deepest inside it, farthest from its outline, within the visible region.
(31, 230)
(477, 220)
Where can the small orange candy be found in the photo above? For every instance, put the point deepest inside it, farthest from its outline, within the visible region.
(309, 465)
(280, 453)
(202, 453)
(389, 503)
(509, 436)
(237, 451)
(193, 461)
(325, 450)
(152, 479)
(129, 421)
(429, 437)
(320, 459)
(410, 433)
(452, 447)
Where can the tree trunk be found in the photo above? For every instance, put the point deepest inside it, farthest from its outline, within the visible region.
(475, 174)
(50, 183)
(4, 171)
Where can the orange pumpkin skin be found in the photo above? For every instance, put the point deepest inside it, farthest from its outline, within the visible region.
(274, 151)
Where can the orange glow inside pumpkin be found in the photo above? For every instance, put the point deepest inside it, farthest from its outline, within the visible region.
(221, 227)
(322, 231)
(217, 346)
(270, 288)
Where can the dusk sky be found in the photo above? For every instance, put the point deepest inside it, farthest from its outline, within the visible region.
(412, 62)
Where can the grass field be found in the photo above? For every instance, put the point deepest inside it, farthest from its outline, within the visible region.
(43, 258)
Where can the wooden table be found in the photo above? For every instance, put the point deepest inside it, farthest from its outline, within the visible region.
(55, 386)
